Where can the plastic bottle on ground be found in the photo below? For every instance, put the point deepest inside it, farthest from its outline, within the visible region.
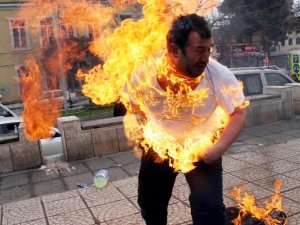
(101, 178)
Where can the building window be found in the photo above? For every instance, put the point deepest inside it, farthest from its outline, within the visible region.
(282, 42)
(46, 32)
(94, 31)
(297, 41)
(67, 30)
(19, 34)
(290, 41)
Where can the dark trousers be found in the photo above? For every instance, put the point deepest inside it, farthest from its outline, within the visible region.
(155, 186)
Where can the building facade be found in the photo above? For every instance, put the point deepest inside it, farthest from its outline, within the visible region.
(21, 38)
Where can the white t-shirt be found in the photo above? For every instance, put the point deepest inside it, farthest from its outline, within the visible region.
(200, 115)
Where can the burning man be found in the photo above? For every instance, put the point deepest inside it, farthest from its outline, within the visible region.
(191, 69)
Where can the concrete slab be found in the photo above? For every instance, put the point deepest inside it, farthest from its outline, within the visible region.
(100, 163)
(295, 174)
(181, 192)
(48, 187)
(14, 180)
(16, 193)
(60, 196)
(64, 206)
(6, 164)
(114, 210)
(179, 213)
(250, 188)
(82, 217)
(254, 158)
(38, 176)
(230, 181)
(134, 219)
(117, 173)
(128, 186)
(94, 197)
(132, 169)
(250, 165)
(231, 165)
(124, 158)
(294, 220)
(76, 168)
(280, 166)
(253, 173)
(105, 141)
(26, 155)
(72, 181)
(293, 195)
(288, 183)
(23, 211)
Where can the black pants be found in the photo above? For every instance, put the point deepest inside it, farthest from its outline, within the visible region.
(155, 186)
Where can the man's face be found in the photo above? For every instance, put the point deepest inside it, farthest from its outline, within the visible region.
(194, 59)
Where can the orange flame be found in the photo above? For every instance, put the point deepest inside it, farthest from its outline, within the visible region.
(134, 54)
(38, 116)
(247, 204)
(58, 54)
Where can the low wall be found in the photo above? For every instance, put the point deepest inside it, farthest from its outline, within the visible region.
(85, 139)
(20, 155)
(296, 96)
(92, 138)
(275, 104)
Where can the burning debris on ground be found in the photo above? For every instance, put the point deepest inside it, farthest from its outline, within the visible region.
(248, 213)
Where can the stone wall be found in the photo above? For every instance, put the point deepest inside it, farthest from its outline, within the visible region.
(20, 155)
(106, 136)
(92, 138)
(275, 104)
(296, 96)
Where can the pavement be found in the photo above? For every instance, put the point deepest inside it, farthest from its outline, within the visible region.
(260, 155)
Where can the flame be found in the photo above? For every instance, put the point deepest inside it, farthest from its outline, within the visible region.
(38, 116)
(247, 204)
(50, 63)
(135, 58)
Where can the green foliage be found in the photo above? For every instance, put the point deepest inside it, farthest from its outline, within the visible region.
(269, 17)
(87, 111)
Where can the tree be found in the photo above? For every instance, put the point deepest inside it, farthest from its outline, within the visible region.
(267, 17)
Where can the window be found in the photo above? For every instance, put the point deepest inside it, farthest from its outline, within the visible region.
(276, 79)
(5, 113)
(9, 132)
(125, 16)
(19, 34)
(282, 42)
(297, 41)
(67, 30)
(94, 31)
(252, 83)
(290, 41)
(58, 93)
(46, 32)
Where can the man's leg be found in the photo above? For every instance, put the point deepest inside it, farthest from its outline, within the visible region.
(206, 196)
(155, 189)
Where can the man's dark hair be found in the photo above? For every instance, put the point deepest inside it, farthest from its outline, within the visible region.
(182, 26)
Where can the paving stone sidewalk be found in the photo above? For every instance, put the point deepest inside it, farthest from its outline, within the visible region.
(260, 156)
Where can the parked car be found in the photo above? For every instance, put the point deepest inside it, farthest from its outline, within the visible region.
(255, 79)
(6, 112)
(9, 133)
(53, 96)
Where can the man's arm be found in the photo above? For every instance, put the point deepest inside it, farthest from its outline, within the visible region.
(230, 133)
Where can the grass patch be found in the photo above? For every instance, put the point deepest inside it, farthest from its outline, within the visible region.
(88, 111)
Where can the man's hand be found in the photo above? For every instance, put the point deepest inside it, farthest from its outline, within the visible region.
(230, 133)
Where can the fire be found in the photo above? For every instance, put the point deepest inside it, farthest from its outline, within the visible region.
(247, 204)
(135, 57)
(49, 64)
(38, 116)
